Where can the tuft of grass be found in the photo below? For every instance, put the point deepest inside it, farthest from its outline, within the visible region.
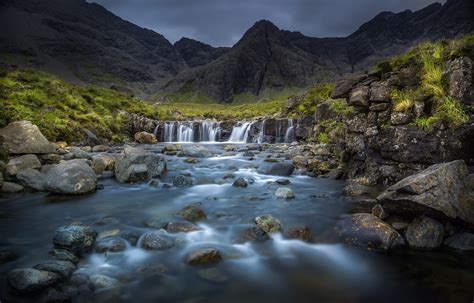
(323, 138)
(403, 100)
(341, 107)
(425, 122)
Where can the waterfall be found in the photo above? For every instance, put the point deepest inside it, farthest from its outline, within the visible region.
(240, 133)
(155, 131)
(170, 130)
(209, 131)
(290, 132)
(261, 135)
(185, 132)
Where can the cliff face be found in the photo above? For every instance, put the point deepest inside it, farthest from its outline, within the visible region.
(196, 53)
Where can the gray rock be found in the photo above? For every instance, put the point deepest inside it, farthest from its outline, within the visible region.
(438, 190)
(368, 231)
(15, 165)
(203, 256)
(101, 281)
(155, 241)
(100, 148)
(78, 153)
(359, 97)
(64, 255)
(240, 182)
(276, 169)
(461, 241)
(182, 181)
(11, 188)
(50, 158)
(458, 74)
(75, 238)
(176, 227)
(398, 118)
(31, 178)
(71, 177)
(285, 193)
(254, 233)
(28, 280)
(425, 232)
(156, 222)
(22, 137)
(282, 181)
(61, 267)
(380, 92)
(192, 213)
(268, 223)
(137, 164)
(195, 151)
(102, 162)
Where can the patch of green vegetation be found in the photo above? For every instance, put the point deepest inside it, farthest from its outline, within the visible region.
(62, 110)
(305, 103)
(428, 60)
(341, 107)
(425, 122)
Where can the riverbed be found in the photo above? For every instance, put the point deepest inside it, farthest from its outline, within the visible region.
(277, 270)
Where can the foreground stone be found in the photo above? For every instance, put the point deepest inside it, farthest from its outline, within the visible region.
(71, 177)
(156, 241)
(461, 241)
(22, 137)
(145, 138)
(16, 165)
(61, 267)
(11, 188)
(367, 230)
(29, 280)
(425, 232)
(268, 223)
(203, 256)
(192, 213)
(74, 238)
(31, 178)
(438, 191)
(138, 164)
(277, 169)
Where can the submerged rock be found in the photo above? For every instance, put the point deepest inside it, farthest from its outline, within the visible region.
(155, 241)
(101, 281)
(110, 244)
(425, 232)
(61, 267)
(138, 164)
(192, 213)
(240, 182)
(65, 255)
(71, 177)
(254, 233)
(29, 280)
(203, 256)
(277, 169)
(368, 231)
(440, 191)
(302, 233)
(268, 223)
(22, 137)
(182, 181)
(284, 193)
(176, 227)
(75, 238)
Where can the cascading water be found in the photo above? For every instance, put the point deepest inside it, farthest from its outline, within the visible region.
(186, 132)
(290, 132)
(209, 131)
(240, 133)
(261, 136)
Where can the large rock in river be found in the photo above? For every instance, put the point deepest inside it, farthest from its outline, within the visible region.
(77, 239)
(440, 191)
(277, 169)
(28, 280)
(16, 165)
(425, 233)
(368, 231)
(22, 137)
(137, 164)
(71, 177)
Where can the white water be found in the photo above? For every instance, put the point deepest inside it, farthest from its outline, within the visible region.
(240, 133)
(290, 132)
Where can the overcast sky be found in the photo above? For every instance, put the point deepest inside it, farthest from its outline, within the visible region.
(222, 22)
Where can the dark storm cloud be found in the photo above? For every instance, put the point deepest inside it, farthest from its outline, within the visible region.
(222, 22)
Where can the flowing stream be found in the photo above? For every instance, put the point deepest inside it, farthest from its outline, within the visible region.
(276, 270)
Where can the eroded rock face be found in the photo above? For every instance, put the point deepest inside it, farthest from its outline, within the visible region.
(458, 74)
(22, 137)
(436, 190)
(71, 177)
(137, 164)
(28, 280)
(369, 231)
(425, 232)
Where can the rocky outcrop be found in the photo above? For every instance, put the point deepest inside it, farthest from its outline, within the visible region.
(137, 164)
(22, 137)
(71, 177)
(442, 190)
(458, 76)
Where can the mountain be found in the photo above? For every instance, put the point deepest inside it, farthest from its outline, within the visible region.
(84, 43)
(196, 53)
(269, 58)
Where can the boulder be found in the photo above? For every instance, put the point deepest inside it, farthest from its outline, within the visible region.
(182, 181)
(102, 163)
(78, 153)
(192, 213)
(137, 164)
(284, 193)
(11, 188)
(343, 88)
(195, 151)
(359, 97)
(28, 280)
(277, 169)
(71, 177)
(61, 267)
(380, 92)
(15, 165)
(460, 241)
(64, 255)
(101, 281)
(369, 231)
(77, 239)
(31, 178)
(100, 148)
(438, 190)
(154, 240)
(398, 118)
(176, 227)
(324, 112)
(268, 223)
(145, 138)
(22, 137)
(458, 75)
(203, 256)
(240, 182)
(425, 232)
